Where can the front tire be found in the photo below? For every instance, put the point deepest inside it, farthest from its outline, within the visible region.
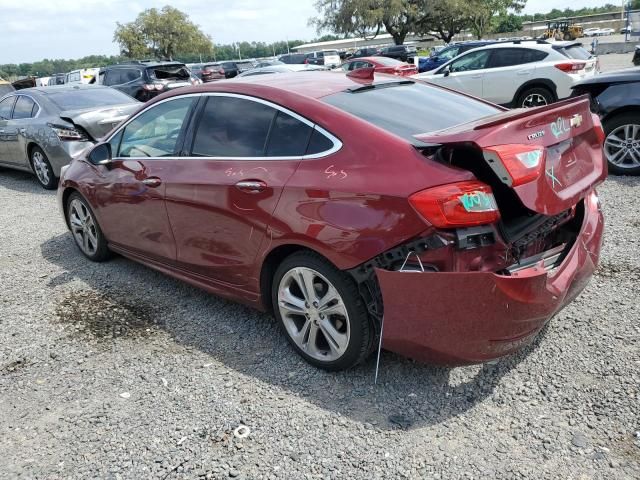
(535, 97)
(321, 312)
(42, 168)
(622, 144)
(84, 227)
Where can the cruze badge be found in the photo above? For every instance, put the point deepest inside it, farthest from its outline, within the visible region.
(539, 134)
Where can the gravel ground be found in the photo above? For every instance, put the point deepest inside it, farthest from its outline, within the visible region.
(116, 371)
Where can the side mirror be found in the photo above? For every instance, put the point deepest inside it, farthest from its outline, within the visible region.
(101, 154)
(447, 71)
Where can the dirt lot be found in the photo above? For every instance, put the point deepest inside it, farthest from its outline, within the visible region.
(116, 371)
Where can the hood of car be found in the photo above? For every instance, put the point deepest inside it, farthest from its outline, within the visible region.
(621, 76)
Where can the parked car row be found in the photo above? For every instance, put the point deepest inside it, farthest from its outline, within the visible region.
(598, 32)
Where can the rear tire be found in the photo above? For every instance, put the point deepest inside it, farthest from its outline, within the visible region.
(534, 97)
(42, 168)
(622, 144)
(326, 323)
(85, 229)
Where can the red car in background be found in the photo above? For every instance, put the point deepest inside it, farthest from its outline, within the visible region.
(381, 65)
(349, 207)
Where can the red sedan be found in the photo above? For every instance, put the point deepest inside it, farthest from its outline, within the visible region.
(350, 207)
(381, 65)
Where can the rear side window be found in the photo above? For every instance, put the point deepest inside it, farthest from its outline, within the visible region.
(24, 108)
(5, 107)
(318, 143)
(576, 52)
(129, 75)
(233, 127)
(508, 57)
(289, 137)
(407, 109)
(112, 77)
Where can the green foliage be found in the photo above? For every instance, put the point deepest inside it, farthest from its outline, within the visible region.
(568, 12)
(164, 34)
(507, 23)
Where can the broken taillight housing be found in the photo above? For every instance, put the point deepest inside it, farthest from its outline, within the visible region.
(522, 162)
(461, 204)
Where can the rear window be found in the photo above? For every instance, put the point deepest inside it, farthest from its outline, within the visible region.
(330, 52)
(407, 109)
(170, 72)
(388, 62)
(576, 52)
(88, 98)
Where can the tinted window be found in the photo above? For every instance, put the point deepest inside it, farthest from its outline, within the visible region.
(88, 98)
(576, 52)
(24, 107)
(318, 143)
(5, 107)
(155, 133)
(289, 137)
(112, 77)
(129, 75)
(507, 57)
(471, 61)
(170, 72)
(409, 109)
(233, 127)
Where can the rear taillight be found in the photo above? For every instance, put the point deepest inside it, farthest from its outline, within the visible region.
(207, 71)
(522, 162)
(68, 134)
(461, 204)
(597, 126)
(153, 86)
(569, 67)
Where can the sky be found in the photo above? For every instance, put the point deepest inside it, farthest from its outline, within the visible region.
(34, 30)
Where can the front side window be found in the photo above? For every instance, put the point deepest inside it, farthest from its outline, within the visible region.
(5, 107)
(24, 107)
(155, 132)
(471, 61)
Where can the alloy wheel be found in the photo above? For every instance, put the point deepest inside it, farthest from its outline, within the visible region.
(314, 314)
(83, 227)
(40, 166)
(622, 146)
(534, 100)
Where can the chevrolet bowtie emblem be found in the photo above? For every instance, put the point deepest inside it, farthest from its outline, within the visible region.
(576, 120)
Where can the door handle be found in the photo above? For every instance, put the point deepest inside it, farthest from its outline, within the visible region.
(251, 186)
(476, 76)
(523, 72)
(152, 182)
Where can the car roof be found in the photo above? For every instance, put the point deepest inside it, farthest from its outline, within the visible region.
(143, 64)
(61, 88)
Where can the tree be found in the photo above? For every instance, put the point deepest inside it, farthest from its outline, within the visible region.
(367, 18)
(481, 13)
(445, 18)
(165, 34)
(508, 23)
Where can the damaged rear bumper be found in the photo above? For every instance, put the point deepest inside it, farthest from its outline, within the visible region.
(470, 317)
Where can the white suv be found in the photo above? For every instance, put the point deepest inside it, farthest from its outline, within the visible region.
(517, 74)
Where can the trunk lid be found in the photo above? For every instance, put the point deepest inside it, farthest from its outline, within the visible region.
(97, 122)
(567, 132)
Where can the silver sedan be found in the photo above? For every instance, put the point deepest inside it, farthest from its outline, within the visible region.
(43, 128)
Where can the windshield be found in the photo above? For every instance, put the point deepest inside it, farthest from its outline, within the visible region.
(88, 98)
(407, 108)
(170, 72)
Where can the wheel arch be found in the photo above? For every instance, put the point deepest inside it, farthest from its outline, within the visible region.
(536, 83)
(270, 264)
(621, 111)
(30, 146)
(66, 193)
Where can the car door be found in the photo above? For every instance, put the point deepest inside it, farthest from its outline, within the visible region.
(507, 70)
(15, 130)
(130, 190)
(464, 73)
(221, 198)
(6, 107)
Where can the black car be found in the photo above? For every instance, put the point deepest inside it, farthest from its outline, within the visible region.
(616, 99)
(364, 52)
(144, 80)
(293, 58)
(399, 52)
